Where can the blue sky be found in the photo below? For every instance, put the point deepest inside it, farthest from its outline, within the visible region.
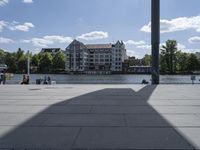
(34, 24)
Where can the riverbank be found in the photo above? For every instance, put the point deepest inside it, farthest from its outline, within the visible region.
(105, 79)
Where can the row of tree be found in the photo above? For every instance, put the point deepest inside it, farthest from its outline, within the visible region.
(174, 61)
(39, 63)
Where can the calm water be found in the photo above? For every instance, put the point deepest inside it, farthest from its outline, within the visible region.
(112, 79)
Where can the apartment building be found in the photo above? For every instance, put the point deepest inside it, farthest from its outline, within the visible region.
(95, 57)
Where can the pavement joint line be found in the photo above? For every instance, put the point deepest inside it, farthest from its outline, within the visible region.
(76, 137)
(125, 120)
(125, 127)
(21, 113)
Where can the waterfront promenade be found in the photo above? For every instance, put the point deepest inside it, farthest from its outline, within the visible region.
(99, 117)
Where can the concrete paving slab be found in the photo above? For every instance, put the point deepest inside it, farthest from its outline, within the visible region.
(130, 138)
(177, 109)
(39, 138)
(144, 120)
(123, 110)
(80, 120)
(192, 135)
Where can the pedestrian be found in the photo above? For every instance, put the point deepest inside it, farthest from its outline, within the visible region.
(45, 80)
(1, 77)
(49, 80)
(4, 77)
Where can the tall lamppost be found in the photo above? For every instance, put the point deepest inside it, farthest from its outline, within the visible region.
(28, 64)
(155, 39)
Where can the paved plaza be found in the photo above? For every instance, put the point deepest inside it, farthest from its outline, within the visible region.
(99, 117)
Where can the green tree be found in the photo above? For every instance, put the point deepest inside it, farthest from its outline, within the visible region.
(45, 62)
(182, 59)
(192, 63)
(58, 61)
(168, 56)
(147, 60)
(2, 56)
(35, 60)
(10, 61)
(21, 61)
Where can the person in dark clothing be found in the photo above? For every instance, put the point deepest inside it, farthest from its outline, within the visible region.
(45, 80)
(25, 79)
(49, 80)
(1, 77)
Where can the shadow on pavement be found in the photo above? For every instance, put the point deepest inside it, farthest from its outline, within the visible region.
(104, 119)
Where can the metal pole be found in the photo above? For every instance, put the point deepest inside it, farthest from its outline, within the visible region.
(28, 65)
(155, 39)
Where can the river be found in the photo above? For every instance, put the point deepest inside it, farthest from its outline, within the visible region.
(105, 79)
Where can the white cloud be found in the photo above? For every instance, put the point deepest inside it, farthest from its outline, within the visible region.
(95, 35)
(3, 24)
(27, 1)
(145, 46)
(15, 26)
(181, 46)
(5, 40)
(177, 24)
(131, 42)
(22, 27)
(3, 2)
(132, 53)
(138, 44)
(194, 40)
(48, 40)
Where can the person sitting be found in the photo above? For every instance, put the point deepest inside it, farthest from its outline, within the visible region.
(25, 79)
(145, 81)
(45, 80)
(49, 80)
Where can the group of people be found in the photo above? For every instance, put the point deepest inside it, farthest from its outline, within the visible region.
(25, 79)
(3, 77)
(47, 80)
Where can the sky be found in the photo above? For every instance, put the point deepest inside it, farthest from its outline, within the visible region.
(35, 24)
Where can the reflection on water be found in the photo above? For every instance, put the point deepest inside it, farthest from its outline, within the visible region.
(123, 79)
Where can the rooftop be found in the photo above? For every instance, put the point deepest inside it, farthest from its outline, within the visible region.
(99, 46)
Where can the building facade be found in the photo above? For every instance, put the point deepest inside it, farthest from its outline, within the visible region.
(95, 57)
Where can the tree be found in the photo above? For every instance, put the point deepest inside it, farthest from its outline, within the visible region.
(21, 61)
(192, 63)
(2, 56)
(10, 61)
(147, 60)
(45, 62)
(182, 59)
(58, 61)
(168, 56)
(35, 60)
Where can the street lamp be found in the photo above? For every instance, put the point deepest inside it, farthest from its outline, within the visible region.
(155, 39)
